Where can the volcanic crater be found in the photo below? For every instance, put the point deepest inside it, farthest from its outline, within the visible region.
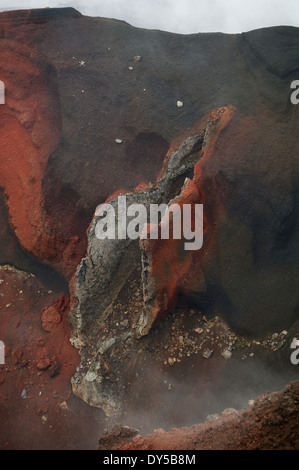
(106, 335)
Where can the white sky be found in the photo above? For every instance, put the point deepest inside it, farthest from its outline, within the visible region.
(181, 16)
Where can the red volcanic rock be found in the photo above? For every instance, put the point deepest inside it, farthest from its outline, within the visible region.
(30, 129)
(48, 212)
(43, 363)
(50, 363)
(172, 269)
(51, 316)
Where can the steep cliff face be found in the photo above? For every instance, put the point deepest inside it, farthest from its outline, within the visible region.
(245, 271)
(92, 112)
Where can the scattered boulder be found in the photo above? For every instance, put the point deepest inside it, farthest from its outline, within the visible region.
(51, 316)
(226, 354)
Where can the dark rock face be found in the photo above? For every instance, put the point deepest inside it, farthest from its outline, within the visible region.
(72, 89)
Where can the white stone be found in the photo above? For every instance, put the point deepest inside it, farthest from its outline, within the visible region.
(90, 376)
(226, 354)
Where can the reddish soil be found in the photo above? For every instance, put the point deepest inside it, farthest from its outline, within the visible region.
(41, 363)
(31, 128)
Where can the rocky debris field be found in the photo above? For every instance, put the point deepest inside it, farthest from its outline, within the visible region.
(37, 408)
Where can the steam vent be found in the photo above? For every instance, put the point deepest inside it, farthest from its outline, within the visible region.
(105, 341)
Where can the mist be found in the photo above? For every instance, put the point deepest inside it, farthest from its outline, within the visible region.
(181, 16)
